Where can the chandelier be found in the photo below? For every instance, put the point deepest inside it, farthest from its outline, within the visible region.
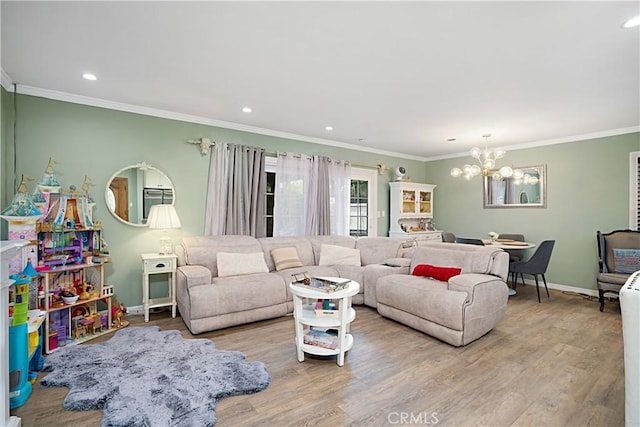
(487, 163)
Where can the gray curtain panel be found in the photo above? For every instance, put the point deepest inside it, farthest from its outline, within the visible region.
(235, 202)
(245, 188)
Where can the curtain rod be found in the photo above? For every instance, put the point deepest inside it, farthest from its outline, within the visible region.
(205, 144)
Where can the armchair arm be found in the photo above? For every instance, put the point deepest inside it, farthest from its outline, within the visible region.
(473, 283)
(190, 276)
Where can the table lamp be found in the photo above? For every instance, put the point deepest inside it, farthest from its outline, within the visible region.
(164, 217)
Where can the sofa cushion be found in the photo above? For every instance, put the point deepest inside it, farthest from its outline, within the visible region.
(237, 294)
(434, 302)
(302, 245)
(627, 261)
(376, 250)
(318, 241)
(202, 250)
(284, 258)
(470, 258)
(436, 272)
(334, 255)
(235, 264)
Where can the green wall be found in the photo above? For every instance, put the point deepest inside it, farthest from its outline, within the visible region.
(587, 190)
(98, 142)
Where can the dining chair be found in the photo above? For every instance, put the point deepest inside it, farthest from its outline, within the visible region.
(469, 241)
(536, 265)
(514, 254)
(617, 251)
(448, 237)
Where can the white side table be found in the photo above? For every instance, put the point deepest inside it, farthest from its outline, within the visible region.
(305, 316)
(155, 264)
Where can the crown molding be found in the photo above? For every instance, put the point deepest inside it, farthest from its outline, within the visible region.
(563, 140)
(103, 103)
(6, 81)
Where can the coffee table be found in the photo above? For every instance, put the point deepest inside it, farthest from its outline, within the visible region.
(306, 318)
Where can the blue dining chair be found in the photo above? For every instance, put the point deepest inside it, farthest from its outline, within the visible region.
(469, 241)
(536, 265)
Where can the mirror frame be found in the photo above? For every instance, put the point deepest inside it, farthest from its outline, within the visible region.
(140, 166)
(542, 171)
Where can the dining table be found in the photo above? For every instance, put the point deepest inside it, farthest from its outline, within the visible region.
(508, 245)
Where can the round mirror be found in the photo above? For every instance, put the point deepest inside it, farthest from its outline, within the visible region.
(132, 191)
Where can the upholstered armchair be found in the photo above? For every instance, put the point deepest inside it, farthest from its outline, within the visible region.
(618, 257)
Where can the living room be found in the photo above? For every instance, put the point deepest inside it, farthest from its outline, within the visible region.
(588, 171)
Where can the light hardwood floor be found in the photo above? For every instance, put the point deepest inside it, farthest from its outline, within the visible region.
(558, 363)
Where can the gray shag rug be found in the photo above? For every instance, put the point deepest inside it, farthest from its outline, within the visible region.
(144, 376)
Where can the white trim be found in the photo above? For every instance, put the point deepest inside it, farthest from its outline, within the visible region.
(6, 81)
(147, 111)
(563, 140)
(130, 108)
(634, 209)
(371, 176)
(558, 287)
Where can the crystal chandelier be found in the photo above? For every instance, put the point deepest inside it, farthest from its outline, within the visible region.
(486, 164)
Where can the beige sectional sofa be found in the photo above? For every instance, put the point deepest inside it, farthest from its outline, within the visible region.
(247, 286)
(458, 311)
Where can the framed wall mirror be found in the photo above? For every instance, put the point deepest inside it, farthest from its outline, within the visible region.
(527, 189)
(132, 190)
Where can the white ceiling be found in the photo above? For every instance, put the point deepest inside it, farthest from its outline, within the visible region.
(398, 77)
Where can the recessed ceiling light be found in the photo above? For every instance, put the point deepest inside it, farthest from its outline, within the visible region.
(632, 23)
(328, 128)
(89, 76)
(246, 109)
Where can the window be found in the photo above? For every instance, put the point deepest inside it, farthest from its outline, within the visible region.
(363, 219)
(363, 207)
(359, 208)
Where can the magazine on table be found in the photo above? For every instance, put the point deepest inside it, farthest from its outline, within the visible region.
(320, 283)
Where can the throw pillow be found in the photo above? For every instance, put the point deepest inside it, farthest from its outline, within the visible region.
(627, 261)
(235, 264)
(284, 258)
(339, 255)
(439, 273)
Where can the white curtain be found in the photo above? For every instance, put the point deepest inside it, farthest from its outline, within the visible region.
(293, 177)
(340, 193)
(311, 196)
(216, 206)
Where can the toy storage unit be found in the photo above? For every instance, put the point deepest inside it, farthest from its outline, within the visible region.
(82, 320)
(25, 357)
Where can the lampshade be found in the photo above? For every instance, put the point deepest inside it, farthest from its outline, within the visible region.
(163, 217)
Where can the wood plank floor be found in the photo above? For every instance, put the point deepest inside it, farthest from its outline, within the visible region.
(558, 363)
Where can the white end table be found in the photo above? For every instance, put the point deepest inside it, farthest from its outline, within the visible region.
(155, 264)
(304, 315)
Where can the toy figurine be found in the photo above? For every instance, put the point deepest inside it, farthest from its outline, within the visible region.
(117, 316)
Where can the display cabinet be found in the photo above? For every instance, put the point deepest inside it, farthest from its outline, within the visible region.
(411, 211)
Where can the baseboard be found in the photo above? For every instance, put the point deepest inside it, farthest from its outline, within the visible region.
(564, 288)
(136, 309)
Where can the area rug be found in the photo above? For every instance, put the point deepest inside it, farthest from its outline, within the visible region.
(144, 376)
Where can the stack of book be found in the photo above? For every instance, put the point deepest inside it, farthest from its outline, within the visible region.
(321, 339)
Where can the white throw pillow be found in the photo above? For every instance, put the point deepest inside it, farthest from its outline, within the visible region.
(339, 255)
(235, 264)
(284, 258)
